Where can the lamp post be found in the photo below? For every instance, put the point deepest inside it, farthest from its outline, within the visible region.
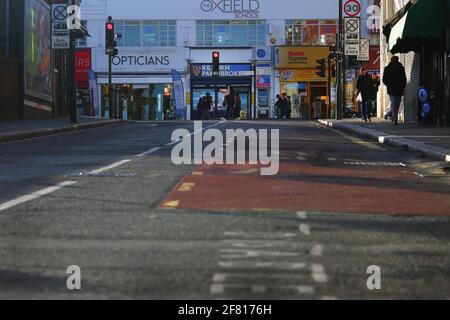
(339, 66)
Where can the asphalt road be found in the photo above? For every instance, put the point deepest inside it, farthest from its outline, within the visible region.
(111, 201)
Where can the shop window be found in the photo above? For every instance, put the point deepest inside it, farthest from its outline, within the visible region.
(230, 32)
(149, 33)
(311, 32)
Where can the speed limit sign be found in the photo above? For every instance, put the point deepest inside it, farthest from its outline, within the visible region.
(352, 8)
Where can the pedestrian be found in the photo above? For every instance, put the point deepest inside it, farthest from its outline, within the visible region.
(364, 87)
(288, 107)
(297, 103)
(283, 105)
(395, 80)
(374, 92)
(200, 108)
(229, 102)
(277, 107)
(238, 106)
(206, 106)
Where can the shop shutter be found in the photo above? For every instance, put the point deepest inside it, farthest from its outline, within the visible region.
(411, 61)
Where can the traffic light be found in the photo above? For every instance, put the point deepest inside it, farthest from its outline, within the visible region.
(321, 68)
(216, 63)
(110, 32)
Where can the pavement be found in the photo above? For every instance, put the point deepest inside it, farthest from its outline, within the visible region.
(25, 129)
(430, 141)
(111, 201)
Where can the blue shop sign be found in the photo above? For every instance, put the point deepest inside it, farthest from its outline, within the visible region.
(199, 70)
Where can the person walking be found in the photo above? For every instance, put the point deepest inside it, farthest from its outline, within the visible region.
(288, 107)
(207, 101)
(230, 103)
(364, 87)
(395, 80)
(374, 93)
(283, 105)
(238, 106)
(277, 107)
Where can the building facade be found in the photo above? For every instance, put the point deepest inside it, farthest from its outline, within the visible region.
(418, 32)
(155, 39)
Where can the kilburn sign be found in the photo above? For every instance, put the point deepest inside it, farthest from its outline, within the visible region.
(239, 8)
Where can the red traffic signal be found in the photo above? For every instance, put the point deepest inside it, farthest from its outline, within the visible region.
(109, 26)
(216, 63)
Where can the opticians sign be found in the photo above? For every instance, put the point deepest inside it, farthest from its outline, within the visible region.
(142, 60)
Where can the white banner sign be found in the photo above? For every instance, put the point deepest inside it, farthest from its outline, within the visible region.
(142, 60)
(364, 50)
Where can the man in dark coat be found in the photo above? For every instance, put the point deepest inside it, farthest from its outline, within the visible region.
(364, 87)
(374, 95)
(395, 80)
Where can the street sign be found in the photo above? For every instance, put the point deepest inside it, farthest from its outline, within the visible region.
(364, 50)
(352, 35)
(352, 25)
(352, 8)
(60, 32)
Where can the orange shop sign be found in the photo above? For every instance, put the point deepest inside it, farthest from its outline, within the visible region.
(299, 75)
(300, 57)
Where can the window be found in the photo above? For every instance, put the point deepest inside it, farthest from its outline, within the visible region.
(147, 33)
(311, 32)
(231, 33)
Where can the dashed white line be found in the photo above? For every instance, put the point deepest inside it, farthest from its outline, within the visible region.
(301, 215)
(305, 229)
(35, 195)
(111, 166)
(149, 152)
(317, 250)
(318, 273)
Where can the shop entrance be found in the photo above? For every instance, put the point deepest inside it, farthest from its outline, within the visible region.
(218, 93)
(309, 99)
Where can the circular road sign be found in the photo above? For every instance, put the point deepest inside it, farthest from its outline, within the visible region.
(352, 8)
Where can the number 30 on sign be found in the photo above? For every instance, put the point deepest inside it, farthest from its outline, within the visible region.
(352, 8)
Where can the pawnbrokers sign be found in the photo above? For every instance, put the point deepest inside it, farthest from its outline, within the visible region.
(141, 60)
(226, 70)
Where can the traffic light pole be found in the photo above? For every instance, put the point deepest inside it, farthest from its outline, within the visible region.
(110, 93)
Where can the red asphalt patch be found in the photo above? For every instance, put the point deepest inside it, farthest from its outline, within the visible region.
(311, 187)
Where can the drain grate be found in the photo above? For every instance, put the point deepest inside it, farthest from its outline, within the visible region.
(103, 175)
(374, 164)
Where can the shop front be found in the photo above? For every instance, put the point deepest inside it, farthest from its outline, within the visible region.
(238, 76)
(301, 78)
(143, 86)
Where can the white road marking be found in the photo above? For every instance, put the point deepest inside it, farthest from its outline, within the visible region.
(35, 195)
(301, 215)
(258, 265)
(223, 277)
(112, 166)
(242, 254)
(220, 288)
(152, 150)
(317, 250)
(253, 235)
(329, 298)
(318, 273)
(305, 229)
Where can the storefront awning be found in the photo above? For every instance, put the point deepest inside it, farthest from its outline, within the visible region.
(418, 24)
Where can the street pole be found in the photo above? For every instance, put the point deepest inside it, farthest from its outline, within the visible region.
(72, 89)
(339, 66)
(110, 93)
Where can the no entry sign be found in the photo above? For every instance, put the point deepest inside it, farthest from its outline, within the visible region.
(352, 8)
